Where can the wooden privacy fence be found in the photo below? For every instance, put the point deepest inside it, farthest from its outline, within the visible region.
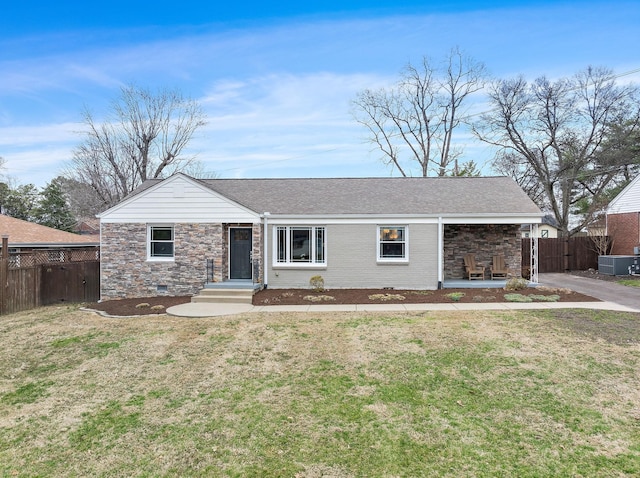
(562, 254)
(71, 278)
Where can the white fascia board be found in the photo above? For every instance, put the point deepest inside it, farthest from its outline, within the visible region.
(289, 220)
(515, 219)
(406, 219)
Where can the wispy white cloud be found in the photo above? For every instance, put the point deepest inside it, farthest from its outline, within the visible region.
(278, 95)
(285, 122)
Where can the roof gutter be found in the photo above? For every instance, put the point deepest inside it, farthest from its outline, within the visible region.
(53, 245)
(529, 216)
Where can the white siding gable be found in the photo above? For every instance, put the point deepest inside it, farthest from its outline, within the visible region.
(628, 200)
(178, 199)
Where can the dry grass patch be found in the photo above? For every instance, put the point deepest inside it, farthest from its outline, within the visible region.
(334, 394)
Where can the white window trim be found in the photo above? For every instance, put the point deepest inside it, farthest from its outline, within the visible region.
(295, 264)
(160, 259)
(387, 260)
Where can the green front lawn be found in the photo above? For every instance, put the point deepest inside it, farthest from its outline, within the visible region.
(523, 394)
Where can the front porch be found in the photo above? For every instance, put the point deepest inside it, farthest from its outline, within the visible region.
(474, 284)
(231, 291)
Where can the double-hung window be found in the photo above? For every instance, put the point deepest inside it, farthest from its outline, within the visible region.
(160, 243)
(393, 244)
(300, 245)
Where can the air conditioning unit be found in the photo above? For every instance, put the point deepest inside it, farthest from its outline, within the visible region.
(615, 265)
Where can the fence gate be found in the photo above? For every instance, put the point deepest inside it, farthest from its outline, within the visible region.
(562, 254)
(29, 280)
(69, 282)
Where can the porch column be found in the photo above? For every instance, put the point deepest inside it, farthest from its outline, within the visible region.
(265, 245)
(440, 253)
(533, 253)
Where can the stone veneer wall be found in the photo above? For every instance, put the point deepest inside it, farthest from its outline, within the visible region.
(484, 241)
(258, 256)
(126, 273)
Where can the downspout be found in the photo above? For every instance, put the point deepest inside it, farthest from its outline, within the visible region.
(265, 242)
(440, 252)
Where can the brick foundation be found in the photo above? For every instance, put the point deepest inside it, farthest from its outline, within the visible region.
(484, 241)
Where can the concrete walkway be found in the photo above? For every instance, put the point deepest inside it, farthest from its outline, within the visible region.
(212, 310)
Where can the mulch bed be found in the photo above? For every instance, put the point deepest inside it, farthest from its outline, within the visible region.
(386, 296)
(128, 307)
(131, 307)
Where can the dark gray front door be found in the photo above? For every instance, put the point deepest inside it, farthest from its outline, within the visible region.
(240, 253)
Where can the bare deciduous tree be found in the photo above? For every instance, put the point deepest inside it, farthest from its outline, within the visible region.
(413, 122)
(509, 164)
(555, 131)
(143, 137)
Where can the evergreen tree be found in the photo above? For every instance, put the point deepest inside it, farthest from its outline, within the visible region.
(20, 202)
(53, 208)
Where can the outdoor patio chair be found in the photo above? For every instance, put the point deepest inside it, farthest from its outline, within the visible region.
(473, 270)
(499, 269)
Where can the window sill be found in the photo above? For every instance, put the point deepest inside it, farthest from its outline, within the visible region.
(161, 259)
(292, 265)
(392, 262)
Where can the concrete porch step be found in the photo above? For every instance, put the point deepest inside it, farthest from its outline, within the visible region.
(226, 296)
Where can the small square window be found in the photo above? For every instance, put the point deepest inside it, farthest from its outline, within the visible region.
(161, 242)
(544, 233)
(392, 243)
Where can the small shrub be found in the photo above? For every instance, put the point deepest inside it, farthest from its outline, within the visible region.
(142, 305)
(561, 290)
(455, 296)
(318, 298)
(517, 298)
(386, 297)
(317, 283)
(480, 298)
(544, 298)
(157, 307)
(516, 284)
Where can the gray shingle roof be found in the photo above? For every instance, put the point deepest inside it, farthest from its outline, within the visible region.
(337, 196)
(448, 195)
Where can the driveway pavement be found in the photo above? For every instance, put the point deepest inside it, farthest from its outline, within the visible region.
(600, 289)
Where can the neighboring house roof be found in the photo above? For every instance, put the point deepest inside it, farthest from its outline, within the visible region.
(28, 234)
(392, 196)
(548, 220)
(88, 226)
(628, 200)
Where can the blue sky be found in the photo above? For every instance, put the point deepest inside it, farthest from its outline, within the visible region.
(276, 79)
